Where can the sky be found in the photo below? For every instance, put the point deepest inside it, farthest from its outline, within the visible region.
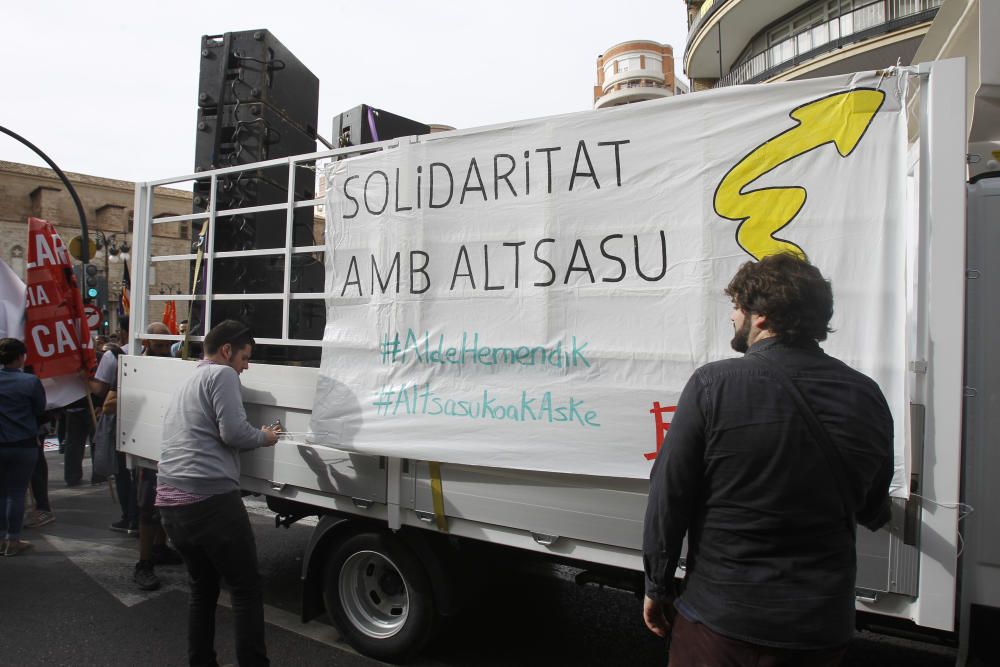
(109, 88)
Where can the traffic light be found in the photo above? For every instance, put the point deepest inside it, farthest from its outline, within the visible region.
(92, 282)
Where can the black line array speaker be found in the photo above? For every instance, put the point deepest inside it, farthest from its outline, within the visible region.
(365, 124)
(257, 102)
(253, 66)
(242, 133)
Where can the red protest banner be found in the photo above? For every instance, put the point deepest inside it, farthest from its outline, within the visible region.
(56, 333)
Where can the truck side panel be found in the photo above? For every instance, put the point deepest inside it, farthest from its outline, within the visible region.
(594, 518)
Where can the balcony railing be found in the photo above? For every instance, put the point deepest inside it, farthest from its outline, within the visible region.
(853, 26)
(643, 84)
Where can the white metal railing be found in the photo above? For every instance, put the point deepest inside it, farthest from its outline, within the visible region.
(829, 33)
(143, 257)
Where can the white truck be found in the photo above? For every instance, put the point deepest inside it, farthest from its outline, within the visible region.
(395, 532)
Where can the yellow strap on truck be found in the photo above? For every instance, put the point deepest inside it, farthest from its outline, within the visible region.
(438, 496)
(202, 240)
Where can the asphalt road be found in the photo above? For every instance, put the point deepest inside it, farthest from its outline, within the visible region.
(71, 601)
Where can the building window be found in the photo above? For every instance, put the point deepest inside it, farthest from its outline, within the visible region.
(868, 17)
(17, 261)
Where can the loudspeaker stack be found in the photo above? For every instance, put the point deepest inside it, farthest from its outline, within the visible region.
(256, 102)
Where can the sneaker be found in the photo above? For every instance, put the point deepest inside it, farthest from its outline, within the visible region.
(123, 526)
(164, 555)
(39, 519)
(145, 577)
(14, 548)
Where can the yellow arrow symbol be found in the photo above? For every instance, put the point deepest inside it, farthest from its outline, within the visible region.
(841, 119)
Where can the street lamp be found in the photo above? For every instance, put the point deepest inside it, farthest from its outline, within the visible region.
(119, 252)
(110, 250)
(109, 246)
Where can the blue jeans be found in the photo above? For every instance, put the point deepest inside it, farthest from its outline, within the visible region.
(216, 541)
(16, 466)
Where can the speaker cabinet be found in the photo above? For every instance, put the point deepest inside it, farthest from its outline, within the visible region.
(365, 124)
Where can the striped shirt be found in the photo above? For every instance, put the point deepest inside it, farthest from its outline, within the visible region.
(169, 496)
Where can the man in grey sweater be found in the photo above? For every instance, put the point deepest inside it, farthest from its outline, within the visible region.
(205, 429)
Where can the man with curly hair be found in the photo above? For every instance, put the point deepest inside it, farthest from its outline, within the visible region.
(770, 462)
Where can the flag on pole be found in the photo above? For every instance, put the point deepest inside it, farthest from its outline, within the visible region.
(170, 316)
(56, 331)
(124, 304)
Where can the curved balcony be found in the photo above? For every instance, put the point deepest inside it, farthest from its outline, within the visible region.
(628, 95)
(864, 23)
(728, 25)
(708, 9)
(638, 73)
(721, 34)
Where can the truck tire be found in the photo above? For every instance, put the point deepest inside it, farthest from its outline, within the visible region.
(379, 596)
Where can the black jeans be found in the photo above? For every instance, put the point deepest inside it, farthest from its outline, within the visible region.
(216, 541)
(40, 483)
(126, 498)
(78, 428)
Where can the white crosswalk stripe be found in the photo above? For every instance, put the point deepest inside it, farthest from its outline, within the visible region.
(111, 567)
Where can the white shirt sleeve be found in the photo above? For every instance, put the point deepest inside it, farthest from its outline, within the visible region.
(107, 370)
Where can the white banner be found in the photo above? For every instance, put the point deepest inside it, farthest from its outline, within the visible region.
(11, 303)
(535, 295)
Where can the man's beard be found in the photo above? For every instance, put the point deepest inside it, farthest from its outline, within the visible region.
(741, 339)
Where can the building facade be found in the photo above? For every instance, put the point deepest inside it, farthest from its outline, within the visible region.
(108, 204)
(731, 42)
(634, 72)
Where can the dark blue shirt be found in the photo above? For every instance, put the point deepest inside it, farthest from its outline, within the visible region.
(771, 559)
(22, 402)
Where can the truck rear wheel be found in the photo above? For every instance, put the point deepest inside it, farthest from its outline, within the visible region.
(379, 596)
